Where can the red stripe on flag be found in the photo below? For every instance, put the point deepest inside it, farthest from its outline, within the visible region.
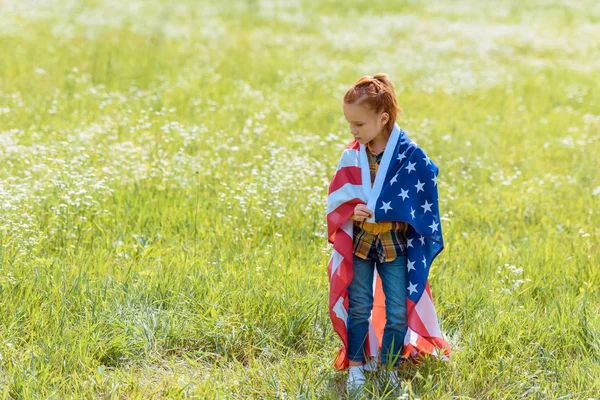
(353, 145)
(343, 176)
(337, 217)
(426, 346)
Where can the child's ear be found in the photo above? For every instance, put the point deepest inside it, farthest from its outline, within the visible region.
(385, 118)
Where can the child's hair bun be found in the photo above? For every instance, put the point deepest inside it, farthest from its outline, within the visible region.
(377, 93)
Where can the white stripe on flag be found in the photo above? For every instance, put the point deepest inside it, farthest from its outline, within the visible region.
(348, 227)
(373, 344)
(381, 171)
(426, 312)
(335, 260)
(340, 311)
(411, 337)
(342, 195)
(349, 159)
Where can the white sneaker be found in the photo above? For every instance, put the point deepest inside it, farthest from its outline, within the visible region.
(356, 378)
(392, 377)
(370, 365)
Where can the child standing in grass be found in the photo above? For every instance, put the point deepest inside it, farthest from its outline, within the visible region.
(379, 209)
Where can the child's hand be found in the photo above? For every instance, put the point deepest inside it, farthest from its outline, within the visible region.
(361, 212)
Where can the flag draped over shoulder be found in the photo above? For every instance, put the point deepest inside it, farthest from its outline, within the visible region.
(405, 189)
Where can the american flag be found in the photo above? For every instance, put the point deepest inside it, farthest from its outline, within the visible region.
(405, 189)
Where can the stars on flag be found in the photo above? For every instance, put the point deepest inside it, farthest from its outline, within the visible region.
(409, 242)
(404, 194)
(410, 265)
(386, 206)
(419, 186)
(412, 213)
(434, 179)
(401, 156)
(434, 227)
(424, 262)
(412, 287)
(422, 239)
(426, 207)
(411, 167)
(427, 160)
(394, 180)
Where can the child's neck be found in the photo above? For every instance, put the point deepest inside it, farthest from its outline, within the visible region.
(379, 142)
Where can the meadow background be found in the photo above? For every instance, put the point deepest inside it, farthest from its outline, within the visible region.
(163, 178)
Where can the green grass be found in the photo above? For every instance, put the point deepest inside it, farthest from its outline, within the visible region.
(163, 179)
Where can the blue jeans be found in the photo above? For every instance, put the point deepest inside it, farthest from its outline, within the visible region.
(393, 276)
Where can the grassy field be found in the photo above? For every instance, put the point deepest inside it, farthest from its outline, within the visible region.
(163, 179)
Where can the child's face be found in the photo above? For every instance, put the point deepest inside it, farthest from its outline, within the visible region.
(365, 124)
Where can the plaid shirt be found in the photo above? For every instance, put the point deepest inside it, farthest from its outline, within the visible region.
(381, 241)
